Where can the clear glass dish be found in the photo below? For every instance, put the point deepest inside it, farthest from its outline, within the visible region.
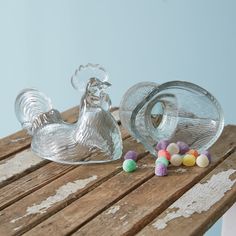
(176, 110)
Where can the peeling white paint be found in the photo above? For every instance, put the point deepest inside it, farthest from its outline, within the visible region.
(199, 199)
(147, 166)
(16, 219)
(61, 193)
(17, 140)
(18, 164)
(17, 228)
(125, 223)
(180, 170)
(122, 217)
(113, 210)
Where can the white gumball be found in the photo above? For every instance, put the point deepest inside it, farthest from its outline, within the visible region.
(176, 160)
(202, 161)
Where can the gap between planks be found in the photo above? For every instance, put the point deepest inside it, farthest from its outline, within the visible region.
(203, 204)
(98, 224)
(136, 225)
(100, 200)
(111, 169)
(73, 208)
(26, 185)
(7, 198)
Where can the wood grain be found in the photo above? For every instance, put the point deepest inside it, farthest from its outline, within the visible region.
(19, 165)
(49, 198)
(31, 182)
(9, 224)
(96, 201)
(197, 223)
(148, 201)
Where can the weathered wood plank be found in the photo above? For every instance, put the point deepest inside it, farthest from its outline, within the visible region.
(146, 202)
(201, 206)
(225, 143)
(31, 182)
(21, 140)
(41, 204)
(96, 201)
(19, 165)
(46, 201)
(14, 143)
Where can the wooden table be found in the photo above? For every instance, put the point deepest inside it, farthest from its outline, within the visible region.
(39, 197)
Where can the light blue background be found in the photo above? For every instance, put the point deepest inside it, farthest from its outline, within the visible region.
(42, 42)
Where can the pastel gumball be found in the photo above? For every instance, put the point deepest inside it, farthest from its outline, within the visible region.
(164, 153)
(207, 153)
(129, 165)
(162, 145)
(183, 147)
(172, 148)
(193, 152)
(161, 170)
(162, 160)
(202, 161)
(131, 155)
(189, 160)
(176, 160)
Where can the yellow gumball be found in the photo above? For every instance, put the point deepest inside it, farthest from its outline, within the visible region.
(189, 160)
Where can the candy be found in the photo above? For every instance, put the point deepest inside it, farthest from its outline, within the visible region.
(193, 152)
(162, 145)
(183, 147)
(131, 155)
(202, 161)
(189, 160)
(207, 153)
(160, 170)
(164, 153)
(129, 165)
(162, 160)
(172, 148)
(176, 160)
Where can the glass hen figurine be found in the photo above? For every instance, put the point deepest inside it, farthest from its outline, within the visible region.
(94, 138)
